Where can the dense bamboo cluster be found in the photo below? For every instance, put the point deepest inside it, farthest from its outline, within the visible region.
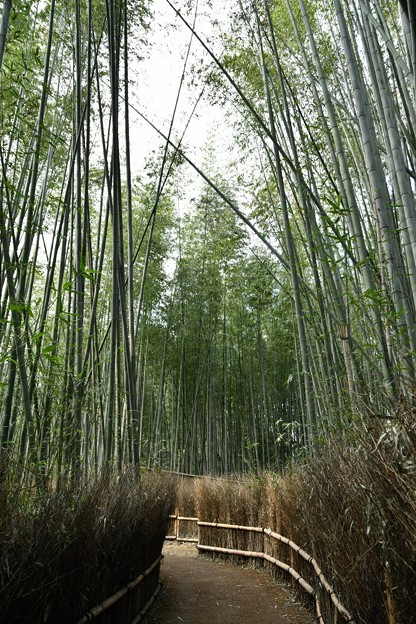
(336, 125)
(68, 333)
(243, 355)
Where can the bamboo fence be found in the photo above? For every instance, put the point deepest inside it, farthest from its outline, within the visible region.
(175, 522)
(269, 547)
(130, 603)
(233, 540)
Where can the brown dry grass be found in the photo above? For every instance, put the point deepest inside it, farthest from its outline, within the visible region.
(353, 508)
(62, 552)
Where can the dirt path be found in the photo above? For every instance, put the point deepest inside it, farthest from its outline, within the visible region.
(200, 591)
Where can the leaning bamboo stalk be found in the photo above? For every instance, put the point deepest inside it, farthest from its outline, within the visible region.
(109, 602)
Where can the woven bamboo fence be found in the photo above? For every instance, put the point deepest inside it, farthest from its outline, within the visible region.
(130, 603)
(274, 551)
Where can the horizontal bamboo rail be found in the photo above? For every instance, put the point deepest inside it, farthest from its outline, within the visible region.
(109, 602)
(297, 549)
(256, 555)
(233, 527)
(312, 561)
(147, 605)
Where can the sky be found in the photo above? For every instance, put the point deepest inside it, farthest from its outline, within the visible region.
(157, 80)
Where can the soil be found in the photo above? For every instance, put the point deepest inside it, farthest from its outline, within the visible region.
(197, 590)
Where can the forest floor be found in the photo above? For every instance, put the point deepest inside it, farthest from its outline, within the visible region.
(197, 590)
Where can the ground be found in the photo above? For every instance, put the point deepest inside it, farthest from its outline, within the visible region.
(197, 590)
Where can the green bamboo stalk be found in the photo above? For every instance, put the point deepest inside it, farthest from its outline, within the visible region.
(4, 27)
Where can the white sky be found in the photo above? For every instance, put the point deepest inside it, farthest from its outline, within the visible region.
(157, 82)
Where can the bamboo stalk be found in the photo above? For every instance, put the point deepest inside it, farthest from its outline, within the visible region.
(391, 608)
(4, 27)
(177, 523)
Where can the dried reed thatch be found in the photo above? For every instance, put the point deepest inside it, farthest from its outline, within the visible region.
(62, 552)
(353, 508)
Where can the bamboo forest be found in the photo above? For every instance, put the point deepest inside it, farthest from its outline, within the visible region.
(207, 267)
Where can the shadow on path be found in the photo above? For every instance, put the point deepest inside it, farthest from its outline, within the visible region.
(200, 591)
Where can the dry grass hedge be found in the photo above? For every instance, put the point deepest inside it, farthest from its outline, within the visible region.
(353, 508)
(62, 552)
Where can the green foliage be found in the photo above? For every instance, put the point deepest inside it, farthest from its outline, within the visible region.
(20, 82)
(224, 330)
(282, 21)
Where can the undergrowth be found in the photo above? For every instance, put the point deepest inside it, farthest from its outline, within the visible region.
(353, 508)
(64, 551)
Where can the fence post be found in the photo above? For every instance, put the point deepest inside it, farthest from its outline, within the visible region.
(292, 563)
(177, 523)
(391, 610)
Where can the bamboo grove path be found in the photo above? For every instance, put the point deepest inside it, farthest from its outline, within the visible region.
(200, 591)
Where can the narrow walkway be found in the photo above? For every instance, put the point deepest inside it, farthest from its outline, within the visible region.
(199, 591)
